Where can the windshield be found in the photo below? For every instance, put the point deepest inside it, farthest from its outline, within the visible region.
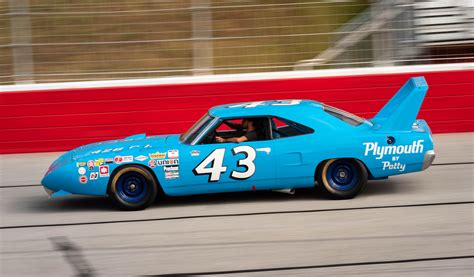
(196, 129)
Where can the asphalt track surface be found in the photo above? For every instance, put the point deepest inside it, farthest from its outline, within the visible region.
(418, 224)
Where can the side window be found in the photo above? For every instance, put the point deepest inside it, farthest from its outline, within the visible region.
(283, 128)
(254, 128)
(229, 125)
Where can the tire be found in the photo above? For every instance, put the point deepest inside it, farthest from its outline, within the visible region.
(342, 178)
(133, 188)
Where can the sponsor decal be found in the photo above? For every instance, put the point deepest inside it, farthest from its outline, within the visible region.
(173, 154)
(171, 168)
(79, 164)
(372, 148)
(108, 161)
(117, 149)
(147, 146)
(90, 164)
(167, 162)
(134, 146)
(172, 175)
(123, 159)
(387, 165)
(141, 158)
(83, 179)
(152, 163)
(96, 152)
(394, 164)
(81, 170)
(118, 160)
(107, 150)
(195, 153)
(104, 171)
(157, 155)
(94, 175)
(99, 162)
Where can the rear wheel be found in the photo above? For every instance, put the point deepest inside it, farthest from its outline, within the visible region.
(342, 178)
(133, 188)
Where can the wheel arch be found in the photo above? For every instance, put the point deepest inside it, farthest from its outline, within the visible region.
(147, 168)
(321, 163)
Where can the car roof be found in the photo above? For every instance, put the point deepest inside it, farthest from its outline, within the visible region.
(263, 108)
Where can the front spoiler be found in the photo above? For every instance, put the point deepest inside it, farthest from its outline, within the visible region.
(48, 191)
(53, 194)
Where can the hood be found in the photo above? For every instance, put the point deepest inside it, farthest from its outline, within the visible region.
(135, 142)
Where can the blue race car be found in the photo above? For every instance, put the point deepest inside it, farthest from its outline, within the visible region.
(267, 145)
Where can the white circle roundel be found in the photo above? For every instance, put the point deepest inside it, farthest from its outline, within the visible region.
(82, 170)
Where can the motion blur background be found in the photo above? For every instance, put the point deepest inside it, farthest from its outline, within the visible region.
(63, 40)
(96, 70)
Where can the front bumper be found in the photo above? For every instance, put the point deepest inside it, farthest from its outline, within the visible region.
(430, 155)
(54, 194)
(48, 191)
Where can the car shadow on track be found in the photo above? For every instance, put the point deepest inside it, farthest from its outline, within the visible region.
(372, 189)
(90, 203)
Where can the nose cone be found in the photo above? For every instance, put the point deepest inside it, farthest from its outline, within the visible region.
(54, 185)
(50, 181)
(56, 179)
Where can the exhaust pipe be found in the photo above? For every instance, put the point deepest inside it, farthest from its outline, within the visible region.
(287, 191)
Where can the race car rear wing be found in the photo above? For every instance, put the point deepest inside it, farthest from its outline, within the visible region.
(399, 114)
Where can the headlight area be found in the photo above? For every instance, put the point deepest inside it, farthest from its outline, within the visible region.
(52, 167)
(64, 158)
(53, 181)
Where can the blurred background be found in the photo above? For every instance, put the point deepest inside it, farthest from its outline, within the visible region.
(64, 40)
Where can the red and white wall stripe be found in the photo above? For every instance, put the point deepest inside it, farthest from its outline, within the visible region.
(57, 117)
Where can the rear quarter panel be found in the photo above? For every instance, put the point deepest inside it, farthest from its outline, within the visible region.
(404, 155)
(369, 146)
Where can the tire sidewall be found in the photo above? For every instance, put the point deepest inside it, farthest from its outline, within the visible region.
(342, 194)
(151, 189)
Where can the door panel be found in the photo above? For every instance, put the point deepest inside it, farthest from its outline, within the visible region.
(294, 162)
(224, 167)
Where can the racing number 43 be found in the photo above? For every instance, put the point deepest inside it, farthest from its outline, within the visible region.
(216, 159)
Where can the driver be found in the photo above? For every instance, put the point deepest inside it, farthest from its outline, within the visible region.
(250, 125)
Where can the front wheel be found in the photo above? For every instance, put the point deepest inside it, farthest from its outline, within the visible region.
(133, 188)
(342, 178)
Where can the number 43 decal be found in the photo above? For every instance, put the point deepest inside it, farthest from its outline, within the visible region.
(216, 159)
